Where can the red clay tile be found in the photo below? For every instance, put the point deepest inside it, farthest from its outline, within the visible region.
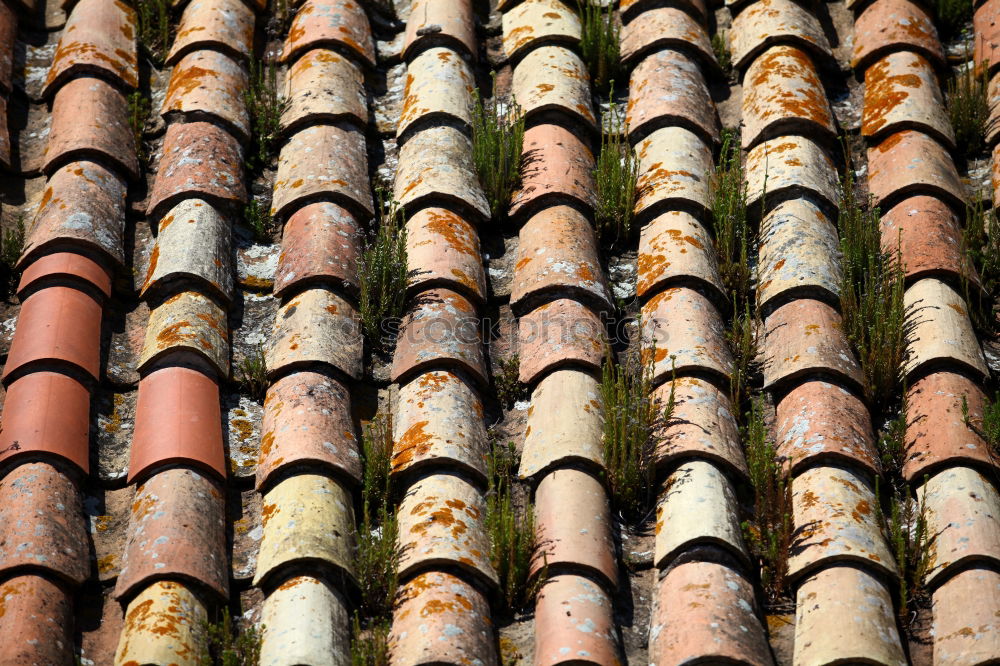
(966, 627)
(668, 88)
(82, 205)
(674, 165)
(963, 517)
(557, 254)
(894, 25)
(89, 120)
(799, 252)
(323, 86)
(563, 332)
(440, 525)
(225, 25)
(557, 168)
(316, 326)
(435, 169)
(41, 513)
(57, 324)
(37, 621)
(705, 612)
(99, 39)
(209, 83)
(304, 621)
(8, 35)
(910, 162)
(177, 530)
(927, 234)
(771, 22)
(783, 95)
(441, 619)
(554, 79)
(193, 244)
(187, 321)
(697, 507)
(993, 102)
(675, 248)
(307, 419)
(942, 331)
(937, 433)
(306, 172)
(448, 23)
(787, 167)
(844, 615)
(320, 243)
(46, 413)
(199, 160)
(683, 330)
(574, 623)
(986, 27)
(439, 421)
(564, 424)
(836, 519)
(440, 328)
(806, 337)
(702, 426)
(667, 28)
(308, 520)
(819, 421)
(902, 92)
(538, 22)
(438, 90)
(443, 249)
(330, 23)
(66, 266)
(177, 421)
(165, 624)
(580, 539)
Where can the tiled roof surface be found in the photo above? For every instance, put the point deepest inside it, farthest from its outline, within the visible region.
(140, 491)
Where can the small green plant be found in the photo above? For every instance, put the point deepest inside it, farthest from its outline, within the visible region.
(633, 423)
(11, 248)
(264, 105)
(281, 19)
(720, 45)
(252, 373)
(508, 388)
(497, 141)
(616, 175)
(769, 533)
(257, 215)
(734, 235)
(890, 444)
(980, 245)
(911, 543)
(987, 425)
(600, 41)
(952, 16)
(741, 335)
(382, 272)
(377, 556)
(138, 116)
(370, 645)
(230, 645)
(154, 29)
(871, 296)
(512, 536)
(969, 109)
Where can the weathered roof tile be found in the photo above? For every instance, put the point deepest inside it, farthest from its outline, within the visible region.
(633, 9)
(316, 326)
(894, 25)
(790, 166)
(38, 620)
(323, 86)
(46, 414)
(557, 167)
(336, 23)
(574, 623)
(440, 23)
(187, 321)
(320, 242)
(942, 331)
(911, 162)
(674, 169)
(440, 328)
(562, 332)
(768, 22)
(65, 266)
(226, 25)
(534, 23)
(675, 248)
(438, 89)
(666, 28)
(554, 79)
(927, 233)
(683, 330)
(442, 248)
(209, 83)
(304, 621)
(966, 628)
(902, 92)
(668, 89)
(164, 624)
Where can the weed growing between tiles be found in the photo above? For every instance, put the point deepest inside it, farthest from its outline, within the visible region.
(257, 217)
(497, 140)
(251, 372)
(720, 46)
(951, 17)
(968, 108)
(987, 427)
(281, 19)
(138, 118)
(154, 29)
(511, 532)
(11, 247)
(382, 274)
(376, 559)
(228, 644)
(600, 41)
(616, 175)
(505, 381)
(980, 244)
(264, 105)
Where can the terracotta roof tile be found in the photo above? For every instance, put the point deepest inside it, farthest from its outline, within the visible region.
(42, 518)
(8, 35)
(177, 530)
(630, 9)
(37, 620)
(434, 23)
(323, 86)
(686, 332)
(993, 101)
(439, 422)
(320, 242)
(667, 28)
(187, 321)
(986, 27)
(163, 624)
(562, 332)
(316, 326)
(894, 25)
(209, 83)
(674, 166)
(668, 89)
(902, 92)
(307, 419)
(65, 266)
(769, 22)
(966, 629)
(927, 233)
(910, 162)
(554, 79)
(304, 621)
(787, 167)
(308, 519)
(438, 89)
(675, 248)
(535, 23)
(557, 168)
(942, 331)
(574, 623)
(341, 24)
(225, 25)
(442, 248)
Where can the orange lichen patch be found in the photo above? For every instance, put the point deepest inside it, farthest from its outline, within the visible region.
(106, 564)
(185, 80)
(453, 229)
(890, 142)
(268, 512)
(884, 93)
(415, 442)
(243, 428)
